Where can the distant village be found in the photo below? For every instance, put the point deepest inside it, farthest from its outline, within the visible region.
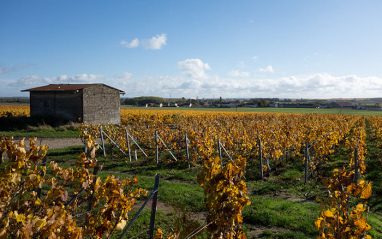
(365, 104)
(150, 101)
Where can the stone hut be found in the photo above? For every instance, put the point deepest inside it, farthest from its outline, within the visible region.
(88, 103)
(342, 105)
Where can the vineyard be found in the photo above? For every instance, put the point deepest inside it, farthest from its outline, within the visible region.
(226, 175)
(14, 110)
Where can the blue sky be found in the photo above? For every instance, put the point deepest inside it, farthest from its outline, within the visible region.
(205, 49)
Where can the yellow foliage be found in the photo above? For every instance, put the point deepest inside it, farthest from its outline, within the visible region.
(36, 214)
(225, 196)
(339, 220)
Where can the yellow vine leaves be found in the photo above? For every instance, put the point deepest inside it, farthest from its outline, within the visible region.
(38, 204)
(337, 218)
(225, 196)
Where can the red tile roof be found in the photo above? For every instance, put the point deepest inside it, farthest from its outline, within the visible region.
(343, 104)
(66, 87)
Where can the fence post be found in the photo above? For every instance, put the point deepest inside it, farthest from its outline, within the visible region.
(187, 152)
(154, 207)
(180, 140)
(135, 155)
(128, 145)
(261, 159)
(220, 153)
(139, 147)
(156, 147)
(154, 192)
(103, 142)
(90, 198)
(85, 147)
(356, 165)
(306, 161)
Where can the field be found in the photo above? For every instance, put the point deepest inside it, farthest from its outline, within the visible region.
(282, 204)
(272, 110)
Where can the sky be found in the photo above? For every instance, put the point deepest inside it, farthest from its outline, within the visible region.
(195, 49)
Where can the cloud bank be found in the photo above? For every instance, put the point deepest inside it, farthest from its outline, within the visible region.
(267, 69)
(310, 86)
(193, 81)
(36, 80)
(194, 68)
(196, 83)
(239, 74)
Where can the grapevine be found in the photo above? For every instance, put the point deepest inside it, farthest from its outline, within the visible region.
(25, 212)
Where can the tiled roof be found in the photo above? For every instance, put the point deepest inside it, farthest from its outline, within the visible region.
(66, 87)
(344, 103)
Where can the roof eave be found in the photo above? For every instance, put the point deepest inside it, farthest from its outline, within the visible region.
(30, 90)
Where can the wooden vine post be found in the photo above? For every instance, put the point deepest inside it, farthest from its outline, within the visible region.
(156, 147)
(356, 165)
(103, 142)
(154, 207)
(128, 145)
(306, 161)
(220, 153)
(261, 159)
(187, 151)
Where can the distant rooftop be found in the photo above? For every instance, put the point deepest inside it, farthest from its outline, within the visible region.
(66, 87)
(343, 103)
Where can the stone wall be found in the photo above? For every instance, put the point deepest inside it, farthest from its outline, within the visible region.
(101, 105)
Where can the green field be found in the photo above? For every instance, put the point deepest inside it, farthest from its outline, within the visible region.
(16, 104)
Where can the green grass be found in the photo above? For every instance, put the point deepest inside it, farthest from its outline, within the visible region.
(166, 220)
(376, 225)
(275, 212)
(48, 133)
(374, 173)
(66, 156)
(186, 196)
(281, 235)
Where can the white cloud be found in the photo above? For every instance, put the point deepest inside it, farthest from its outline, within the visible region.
(192, 84)
(36, 80)
(267, 69)
(133, 44)
(194, 68)
(310, 86)
(321, 85)
(27, 81)
(155, 43)
(82, 78)
(239, 74)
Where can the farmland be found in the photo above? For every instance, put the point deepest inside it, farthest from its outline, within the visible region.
(282, 204)
(270, 110)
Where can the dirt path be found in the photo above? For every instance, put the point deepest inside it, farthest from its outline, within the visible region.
(54, 143)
